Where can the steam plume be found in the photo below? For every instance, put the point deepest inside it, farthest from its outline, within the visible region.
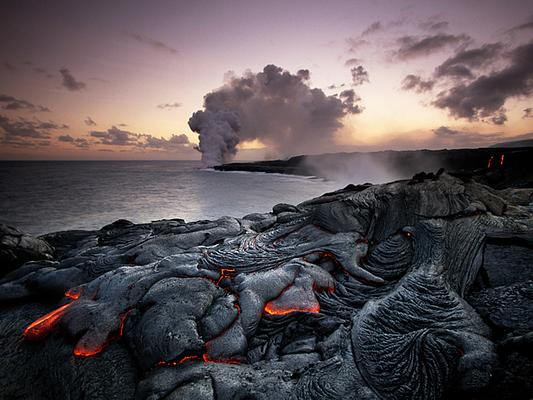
(276, 107)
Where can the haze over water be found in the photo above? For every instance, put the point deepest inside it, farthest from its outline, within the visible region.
(40, 197)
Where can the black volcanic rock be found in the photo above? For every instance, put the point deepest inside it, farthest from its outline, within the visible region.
(409, 290)
(16, 248)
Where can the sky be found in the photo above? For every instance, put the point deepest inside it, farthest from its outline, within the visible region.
(121, 79)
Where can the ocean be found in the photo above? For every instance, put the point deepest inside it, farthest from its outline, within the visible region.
(47, 196)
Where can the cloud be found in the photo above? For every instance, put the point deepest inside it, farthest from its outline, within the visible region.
(528, 112)
(413, 46)
(462, 62)
(12, 103)
(433, 24)
(78, 142)
(355, 43)
(416, 83)
(155, 44)
(9, 67)
(522, 27)
(70, 82)
(169, 106)
(372, 28)
(43, 72)
(117, 137)
(274, 106)
(89, 121)
(352, 62)
(22, 132)
(359, 75)
(349, 101)
(485, 96)
(333, 86)
(445, 131)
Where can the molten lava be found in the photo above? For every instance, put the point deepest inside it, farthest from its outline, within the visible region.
(81, 351)
(181, 361)
(71, 294)
(272, 309)
(490, 162)
(225, 273)
(42, 327)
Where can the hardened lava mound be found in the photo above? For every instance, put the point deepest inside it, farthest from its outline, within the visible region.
(417, 289)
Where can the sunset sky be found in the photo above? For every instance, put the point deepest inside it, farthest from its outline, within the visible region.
(120, 79)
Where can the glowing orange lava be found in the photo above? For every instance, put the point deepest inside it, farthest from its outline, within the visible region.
(40, 328)
(174, 363)
(81, 351)
(272, 309)
(490, 162)
(71, 294)
(122, 322)
(225, 273)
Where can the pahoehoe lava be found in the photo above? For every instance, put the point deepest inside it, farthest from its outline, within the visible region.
(418, 289)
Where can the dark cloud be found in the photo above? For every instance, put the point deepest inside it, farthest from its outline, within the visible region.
(445, 131)
(372, 28)
(89, 121)
(462, 62)
(352, 62)
(43, 72)
(9, 67)
(333, 86)
(22, 132)
(78, 142)
(416, 83)
(485, 96)
(500, 118)
(349, 101)
(155, 44)
(413, 46)
(117, 137)
(359, 75)
(528, 113)
(355, 43)
(70, 82)
(525, 26)
(433, 24)
(12, 103)
(169, 106)
(305, 119)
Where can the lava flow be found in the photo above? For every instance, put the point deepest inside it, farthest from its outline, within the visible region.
(40, 328)
(271, 309)
(80, 351)
(174, 363)
(490, 162)
(225, 273)
(206, 358)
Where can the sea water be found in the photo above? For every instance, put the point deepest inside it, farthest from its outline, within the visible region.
(48, 196)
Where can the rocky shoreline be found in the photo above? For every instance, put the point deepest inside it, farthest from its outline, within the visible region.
(416, 289)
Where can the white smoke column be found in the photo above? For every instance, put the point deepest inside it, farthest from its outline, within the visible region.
(218, 135)
(273, 106)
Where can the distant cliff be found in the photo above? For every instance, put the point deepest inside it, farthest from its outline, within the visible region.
(498, 167)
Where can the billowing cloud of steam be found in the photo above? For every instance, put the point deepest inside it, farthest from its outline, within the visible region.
(276, 107)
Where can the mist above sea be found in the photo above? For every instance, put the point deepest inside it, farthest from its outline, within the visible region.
(47, 196)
